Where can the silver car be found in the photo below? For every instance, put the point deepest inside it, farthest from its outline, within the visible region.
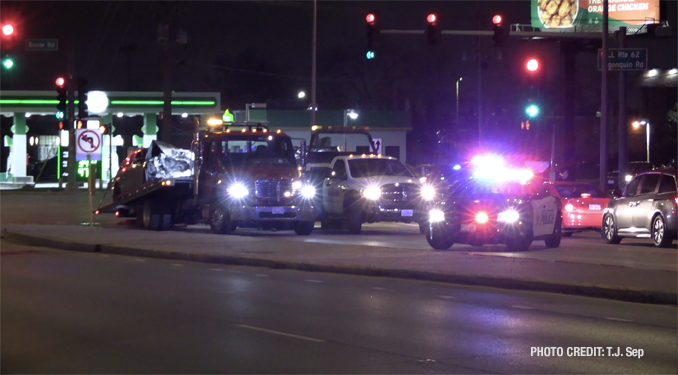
(645, 209)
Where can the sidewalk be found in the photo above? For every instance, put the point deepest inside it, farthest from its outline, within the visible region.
(300, 253)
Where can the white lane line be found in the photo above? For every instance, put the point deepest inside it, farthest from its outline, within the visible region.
(215, 269)
(260, 275)
(177, 264)
(140, 259)
(448, 297)
(314, 281)
(522, 307)
(279, 333)
(619, 320)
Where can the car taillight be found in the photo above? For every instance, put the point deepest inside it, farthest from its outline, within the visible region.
(569, 207)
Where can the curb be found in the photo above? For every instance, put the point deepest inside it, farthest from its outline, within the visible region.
(620, 294)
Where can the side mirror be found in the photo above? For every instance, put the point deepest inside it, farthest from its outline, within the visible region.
(616, 193)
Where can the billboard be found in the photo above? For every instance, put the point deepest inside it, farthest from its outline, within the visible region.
(566, 15)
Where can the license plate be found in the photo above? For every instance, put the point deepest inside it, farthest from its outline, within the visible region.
(407, 213)
(594, 207)
(278, 210)
(468, 228)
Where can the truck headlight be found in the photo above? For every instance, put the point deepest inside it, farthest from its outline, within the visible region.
(428, 192)
(436, 215)
(308, 192)
(372, 192)
(508, 216)
(238, 190)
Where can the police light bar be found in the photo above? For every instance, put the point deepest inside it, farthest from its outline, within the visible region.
(503, 174)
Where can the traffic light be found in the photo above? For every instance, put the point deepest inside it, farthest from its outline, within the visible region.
(498, 29)
(62, 97)
(7, 46)
(432, 30)
(532, 65)
(532, 110)
(372, 34)
(82, 97)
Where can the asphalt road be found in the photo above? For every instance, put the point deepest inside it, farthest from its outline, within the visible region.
(68, 312)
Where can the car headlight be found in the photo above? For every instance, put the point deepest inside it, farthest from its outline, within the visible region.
(436, 215)
(481, 217)
(308, 192)
(508, 216)
(428, 192)
(238, 190)
(372, 192)
(628, 178)
(296, 185)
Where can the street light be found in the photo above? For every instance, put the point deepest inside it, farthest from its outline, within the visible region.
(353, 115)
(646, 124)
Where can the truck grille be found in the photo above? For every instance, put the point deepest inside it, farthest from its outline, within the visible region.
(393, 193)
(273, 191)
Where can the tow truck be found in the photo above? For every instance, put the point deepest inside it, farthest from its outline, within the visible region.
(487, 202)
(235, 175)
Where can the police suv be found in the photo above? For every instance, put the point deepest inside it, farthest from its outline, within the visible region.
(487, 203)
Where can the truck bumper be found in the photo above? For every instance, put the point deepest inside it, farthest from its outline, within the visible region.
(274, 213)
(377, 212)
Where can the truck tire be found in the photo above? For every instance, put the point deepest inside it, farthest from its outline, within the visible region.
(355, 219)
(220, 221)
(150, 215)
(304, 228)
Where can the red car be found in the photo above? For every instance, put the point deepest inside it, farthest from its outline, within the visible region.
(583, 205)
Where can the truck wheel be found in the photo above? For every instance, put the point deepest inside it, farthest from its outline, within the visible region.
(304, 228)
(220, 222)
(554, 239)
(150, 215)
(355, 220)
(438, 237)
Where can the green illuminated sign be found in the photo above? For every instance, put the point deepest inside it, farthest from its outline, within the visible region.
(83, 170)
(160, 102)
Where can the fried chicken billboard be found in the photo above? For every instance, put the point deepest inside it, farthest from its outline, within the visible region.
(563, 14)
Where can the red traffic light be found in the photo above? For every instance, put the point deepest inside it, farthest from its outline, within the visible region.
(60, 81)
(532, 65)
(7, 30)
(371, 18)
(496, 20)
(432, 18)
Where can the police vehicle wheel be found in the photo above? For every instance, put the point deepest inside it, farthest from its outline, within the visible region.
(355, 221)
(438, 238)
(220, 222)
(150, 215)
(521, 241)
(659, 235)
(609, 230)
(304, 228)
(554, 239)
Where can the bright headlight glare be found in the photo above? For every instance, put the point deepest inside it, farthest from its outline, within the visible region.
(308, 192)
(569, 207)
(508, 216)
(628, 178)
(237, 190)
(436, 215)
(296, 185)
(481, 217)
(372, 192)
(428, 192)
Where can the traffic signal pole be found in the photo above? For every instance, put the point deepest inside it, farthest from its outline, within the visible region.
(70, 116)
(603, 103)
(623, 127)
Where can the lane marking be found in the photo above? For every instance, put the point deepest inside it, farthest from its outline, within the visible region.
(215, 269)
(140, 259)
(522, 307)
(619, 320)
(260, 275)
(279, 333)
(177, 264)
(448, 297)
(314, 281)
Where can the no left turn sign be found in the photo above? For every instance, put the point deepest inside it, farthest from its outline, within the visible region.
(87, 142)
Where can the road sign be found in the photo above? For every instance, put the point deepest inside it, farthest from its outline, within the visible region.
(42, 44)
(624, 59)
(87, 142)
(378, 146)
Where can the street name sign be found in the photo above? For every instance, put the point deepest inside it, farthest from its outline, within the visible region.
(624, 59)
(42, 44)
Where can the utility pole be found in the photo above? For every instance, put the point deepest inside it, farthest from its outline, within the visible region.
(603, 103)
(622, 126)
(313, 61)
(163, 39)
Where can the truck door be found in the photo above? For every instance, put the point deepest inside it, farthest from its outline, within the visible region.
(334, 188)
(209, 172)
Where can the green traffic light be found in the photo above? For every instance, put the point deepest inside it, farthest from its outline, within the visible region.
(370, 55)
(532, 110)
(60, 115)
(8, 63)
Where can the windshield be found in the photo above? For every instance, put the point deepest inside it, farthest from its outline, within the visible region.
(377, 167)
(479, 189)
(258, 150)
(575, 191)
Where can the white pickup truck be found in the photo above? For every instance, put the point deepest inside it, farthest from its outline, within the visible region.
(365, 188)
